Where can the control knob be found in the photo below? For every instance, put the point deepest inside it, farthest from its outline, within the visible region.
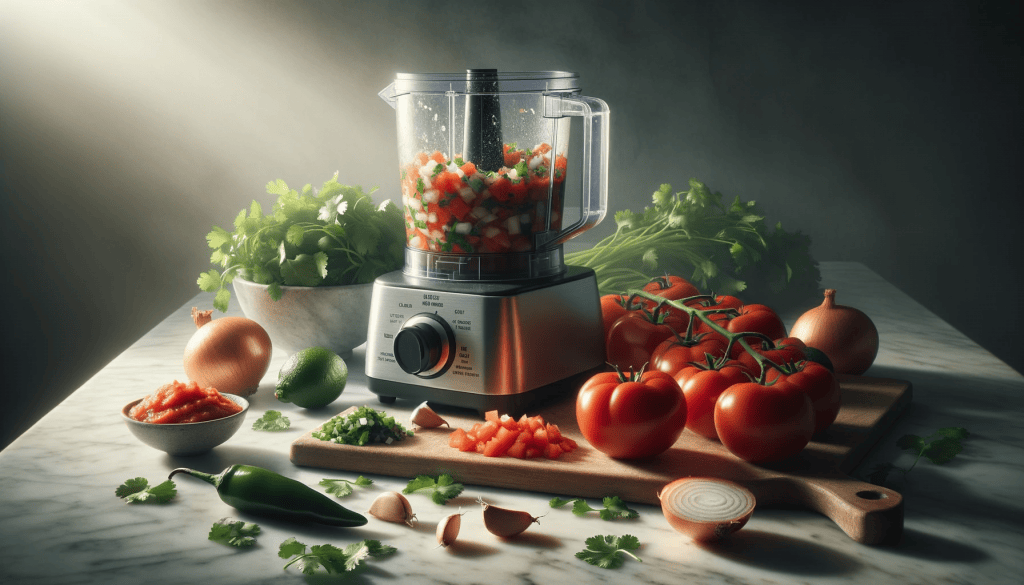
(424, 345)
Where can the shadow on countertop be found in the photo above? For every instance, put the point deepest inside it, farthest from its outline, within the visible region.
(784, 554)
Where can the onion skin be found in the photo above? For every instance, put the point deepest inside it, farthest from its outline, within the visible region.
(231, 354)
(846, 335)
(707, 530)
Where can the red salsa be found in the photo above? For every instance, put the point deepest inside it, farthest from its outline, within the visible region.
(183, 403)
(451, 206)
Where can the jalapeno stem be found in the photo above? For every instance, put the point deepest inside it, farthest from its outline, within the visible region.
(209, 478)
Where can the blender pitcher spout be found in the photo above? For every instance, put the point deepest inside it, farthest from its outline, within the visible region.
(389, 95)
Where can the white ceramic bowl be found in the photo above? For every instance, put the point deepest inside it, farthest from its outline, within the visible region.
(335, 317)
(187, 438)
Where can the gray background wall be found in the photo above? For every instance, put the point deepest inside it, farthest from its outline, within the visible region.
(888, 131)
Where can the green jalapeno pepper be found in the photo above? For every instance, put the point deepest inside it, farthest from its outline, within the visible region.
(261, 491)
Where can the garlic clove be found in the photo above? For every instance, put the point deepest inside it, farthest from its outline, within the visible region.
(448, 529)
(392, 507)
(423, 416)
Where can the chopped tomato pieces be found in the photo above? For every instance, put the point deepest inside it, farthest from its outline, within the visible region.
(528, 437)
(517, 450)
(487, 430)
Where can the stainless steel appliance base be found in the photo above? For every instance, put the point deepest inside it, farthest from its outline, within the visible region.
(483, 345)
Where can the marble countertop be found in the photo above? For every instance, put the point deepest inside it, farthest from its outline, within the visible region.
(60, 521)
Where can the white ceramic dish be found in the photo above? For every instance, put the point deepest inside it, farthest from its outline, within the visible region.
(187, 438)
(335, 317)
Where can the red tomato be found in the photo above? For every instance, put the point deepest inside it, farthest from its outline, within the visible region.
(695, 368)
(613, 307)
(671, 287)
(758, 318)
(762, 424)
(702, 390)
(720, 319)
(787, 350)
(676, 353)
(632, 339)
(819, 384)
(631, 419)
(719, 302)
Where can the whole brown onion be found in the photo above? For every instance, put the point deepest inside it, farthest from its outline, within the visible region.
(230, 354)
(845, 334)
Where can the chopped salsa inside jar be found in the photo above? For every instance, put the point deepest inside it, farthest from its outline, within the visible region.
(183, 403)
(451, 206)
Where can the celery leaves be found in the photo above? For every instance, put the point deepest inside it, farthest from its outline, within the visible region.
(720, 247)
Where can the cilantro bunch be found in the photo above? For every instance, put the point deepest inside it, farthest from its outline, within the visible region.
(720, 248)
(331, 236)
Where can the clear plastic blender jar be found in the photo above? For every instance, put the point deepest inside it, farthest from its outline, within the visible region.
(483, 157)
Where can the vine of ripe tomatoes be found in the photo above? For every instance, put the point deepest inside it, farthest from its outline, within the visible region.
(737, 375)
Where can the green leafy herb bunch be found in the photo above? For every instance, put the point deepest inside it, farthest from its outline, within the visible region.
(725, 248)
(334, 235)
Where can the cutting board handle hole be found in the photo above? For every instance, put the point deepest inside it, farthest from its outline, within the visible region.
(872, 495)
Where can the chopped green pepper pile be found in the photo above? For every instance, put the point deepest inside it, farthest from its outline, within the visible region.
(362, 427)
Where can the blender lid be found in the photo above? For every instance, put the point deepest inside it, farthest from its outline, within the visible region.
(500, 82)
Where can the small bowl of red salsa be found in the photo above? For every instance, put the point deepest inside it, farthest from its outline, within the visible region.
(185, 419)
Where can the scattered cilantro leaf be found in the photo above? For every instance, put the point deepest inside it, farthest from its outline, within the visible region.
(720, 247)
(557, 502)
(361, 427)
(606, 551)
(343, 487)
(580, 507)
(441, 490)
(879, 473)
(939, 448)
(234, 532)
(138, 491)
(332, 559)
(614, 507)
(272, 420)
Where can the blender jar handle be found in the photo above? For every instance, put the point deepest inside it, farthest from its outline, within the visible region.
(594, 191)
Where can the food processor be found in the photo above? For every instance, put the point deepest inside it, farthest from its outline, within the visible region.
(485, 314)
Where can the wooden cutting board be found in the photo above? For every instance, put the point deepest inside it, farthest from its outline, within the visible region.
(817, 479)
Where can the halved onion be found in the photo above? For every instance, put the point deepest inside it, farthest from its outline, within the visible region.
(706, 509)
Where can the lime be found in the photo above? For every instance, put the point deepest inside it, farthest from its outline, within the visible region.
(312, 378)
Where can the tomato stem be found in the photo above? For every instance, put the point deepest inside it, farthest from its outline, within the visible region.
(704, 316)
